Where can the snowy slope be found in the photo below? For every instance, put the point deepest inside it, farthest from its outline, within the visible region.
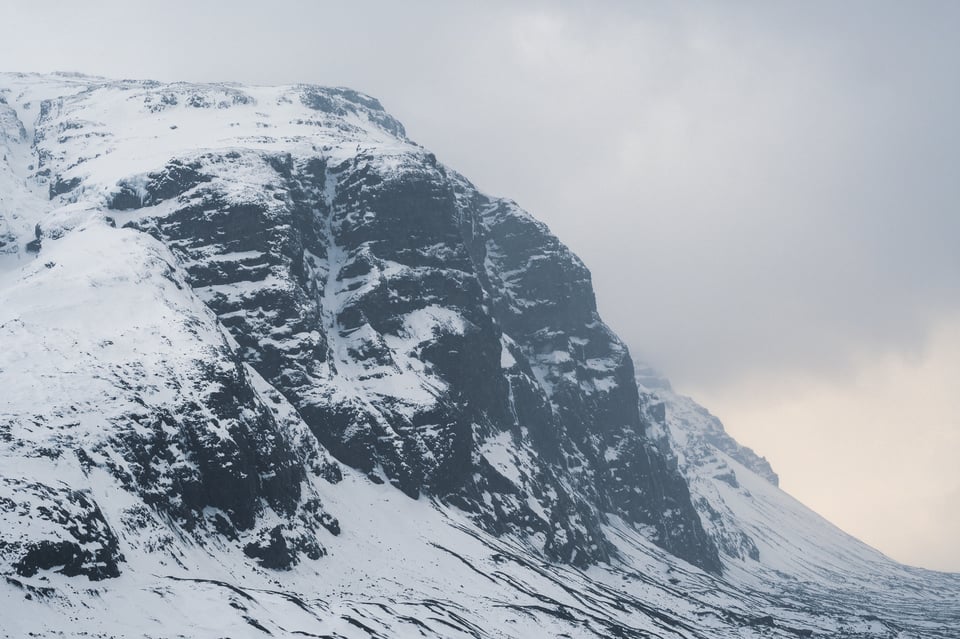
(771, 541)
(269, 367)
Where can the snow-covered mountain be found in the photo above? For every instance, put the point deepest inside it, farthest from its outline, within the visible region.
(268, 367)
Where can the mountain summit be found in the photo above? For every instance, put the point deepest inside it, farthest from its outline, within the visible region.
(269, 367)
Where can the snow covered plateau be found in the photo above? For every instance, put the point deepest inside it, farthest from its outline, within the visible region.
(268, 368)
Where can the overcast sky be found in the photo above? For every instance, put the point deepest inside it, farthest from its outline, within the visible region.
(767, 193)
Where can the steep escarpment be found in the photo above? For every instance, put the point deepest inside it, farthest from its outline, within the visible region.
(427, 335)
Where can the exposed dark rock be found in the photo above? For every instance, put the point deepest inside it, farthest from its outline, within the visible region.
(61, 186)
(176, 178)
(341, 102)
(272, 552)
(390, 246)
(273, 549)
(72, 536)
(33, 246)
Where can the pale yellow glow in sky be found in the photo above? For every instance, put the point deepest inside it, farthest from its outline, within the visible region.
(870, 452)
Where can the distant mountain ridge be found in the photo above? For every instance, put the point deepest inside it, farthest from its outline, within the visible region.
(700, 423)
(254, 338)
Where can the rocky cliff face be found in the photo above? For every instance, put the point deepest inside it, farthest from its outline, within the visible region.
(426, 334)
(706, 455)
(701, 430)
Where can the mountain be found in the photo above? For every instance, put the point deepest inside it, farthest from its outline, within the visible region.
(270, 368)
